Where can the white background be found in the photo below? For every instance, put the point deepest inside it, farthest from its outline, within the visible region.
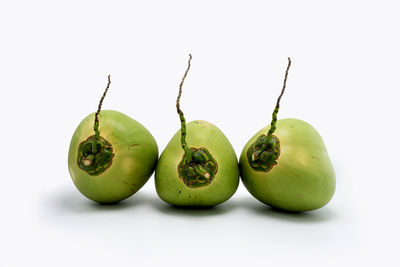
(54, 59)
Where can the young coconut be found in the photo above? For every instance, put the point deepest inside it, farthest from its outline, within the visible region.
(286, 165)
(199, 166)
(113, 159)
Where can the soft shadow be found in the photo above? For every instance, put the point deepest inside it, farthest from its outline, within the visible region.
(168, 209)
(324, 214)
(64, 202)
(71, 201)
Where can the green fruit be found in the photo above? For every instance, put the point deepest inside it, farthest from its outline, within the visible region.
(181, 189)
(202, 172)
(303, 177)
(286, 165)
(115, 164)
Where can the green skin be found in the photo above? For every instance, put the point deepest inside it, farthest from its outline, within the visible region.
(171, 187)
(135, 157)
(303, 178)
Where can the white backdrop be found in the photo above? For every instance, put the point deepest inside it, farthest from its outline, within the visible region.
(55, 57)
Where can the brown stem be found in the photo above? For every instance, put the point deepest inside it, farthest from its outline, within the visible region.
(96, 116)
(188, 154)
(275, 113)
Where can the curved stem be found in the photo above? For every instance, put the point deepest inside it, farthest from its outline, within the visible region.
(275, 113)
(96, 117)
(188, 153)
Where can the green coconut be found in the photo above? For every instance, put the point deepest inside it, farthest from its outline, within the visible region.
(113, 159)
(286, 165)
(199, 166)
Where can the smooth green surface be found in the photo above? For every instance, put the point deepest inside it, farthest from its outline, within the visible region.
(303, 178)
(135, 157)
(171, 188)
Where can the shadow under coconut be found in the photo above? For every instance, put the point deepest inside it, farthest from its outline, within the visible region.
(71, 201)
(172, 210)
(317, 216)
